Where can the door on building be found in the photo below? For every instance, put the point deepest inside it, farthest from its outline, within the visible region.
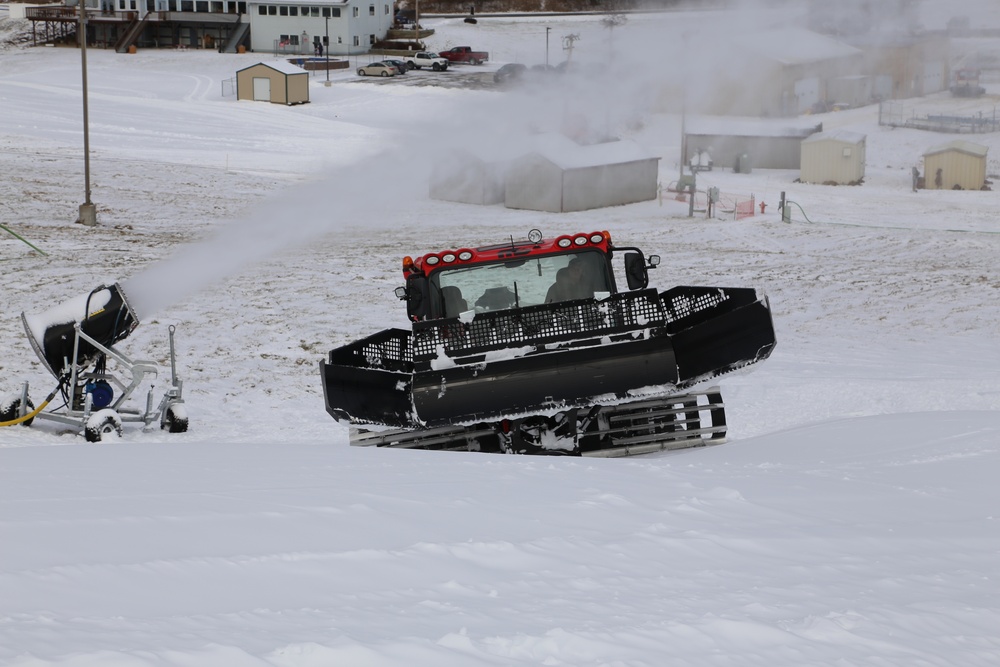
(261, 89)
(806, 93)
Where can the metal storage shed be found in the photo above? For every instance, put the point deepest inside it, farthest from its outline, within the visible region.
(579, 178)
(279, 82)
(836, 157)
(956, 165)
(768, 144)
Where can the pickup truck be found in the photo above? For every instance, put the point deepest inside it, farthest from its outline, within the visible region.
(465, 54)
(422, 59)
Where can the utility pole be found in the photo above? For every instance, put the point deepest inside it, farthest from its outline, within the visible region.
(547, 31)
(88, 212)
(327, 47)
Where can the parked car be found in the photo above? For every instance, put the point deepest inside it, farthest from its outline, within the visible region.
(377, 69)
(509, 72)
(400, 65)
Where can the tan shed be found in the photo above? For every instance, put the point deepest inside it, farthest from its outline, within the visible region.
(956, 165)
(279, 82)
(836, 157)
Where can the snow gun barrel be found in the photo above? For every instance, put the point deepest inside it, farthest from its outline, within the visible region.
(103, 317)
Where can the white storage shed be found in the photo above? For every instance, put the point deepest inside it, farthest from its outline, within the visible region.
(561, 178)
(836, 157)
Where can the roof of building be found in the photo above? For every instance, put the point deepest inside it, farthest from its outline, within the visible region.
(731, 126)
(977, 150)
(282, 66)
(573, 156)
(797, 46)
(842, 136)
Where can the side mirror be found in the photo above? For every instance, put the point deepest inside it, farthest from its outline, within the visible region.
(417, 297)
(635, 270)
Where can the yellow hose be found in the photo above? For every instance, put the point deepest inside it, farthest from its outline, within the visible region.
(34, 412)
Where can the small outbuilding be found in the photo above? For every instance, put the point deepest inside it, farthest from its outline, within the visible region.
(836, 157)
(279, 82)
(956, 165)
(738, 142)
(560, 177)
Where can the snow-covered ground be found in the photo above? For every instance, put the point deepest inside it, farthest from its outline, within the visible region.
(851, 518)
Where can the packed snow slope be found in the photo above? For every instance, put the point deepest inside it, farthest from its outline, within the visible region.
(850, 519)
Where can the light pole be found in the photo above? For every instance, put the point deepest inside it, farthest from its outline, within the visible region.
(327, 47)
(547, 30)
(88, 212)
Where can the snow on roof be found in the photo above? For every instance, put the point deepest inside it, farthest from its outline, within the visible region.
(729, 126)
(961, 146)
(845, 136)
(574, 156)
(796, 46)
(282, 66)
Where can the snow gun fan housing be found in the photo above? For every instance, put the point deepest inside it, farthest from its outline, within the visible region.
(102, 315)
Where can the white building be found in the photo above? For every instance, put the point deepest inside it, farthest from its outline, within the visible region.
(299, 26)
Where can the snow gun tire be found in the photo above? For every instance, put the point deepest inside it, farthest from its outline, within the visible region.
(175, 420)
(101, 424)
(11, 411)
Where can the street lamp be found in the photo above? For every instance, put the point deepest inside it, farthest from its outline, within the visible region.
(88, 212)
(327, 47)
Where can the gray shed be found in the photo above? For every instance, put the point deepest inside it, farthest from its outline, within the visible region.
(836, 157)
(279, 82)
(956, 165)
(579, 178)
(768, 144)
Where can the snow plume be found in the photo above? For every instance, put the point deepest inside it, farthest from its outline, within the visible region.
(626, 69)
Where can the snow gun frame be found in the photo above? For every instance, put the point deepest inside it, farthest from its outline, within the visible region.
(77, 352)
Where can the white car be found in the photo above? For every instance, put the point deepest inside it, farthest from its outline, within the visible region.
(377, 69)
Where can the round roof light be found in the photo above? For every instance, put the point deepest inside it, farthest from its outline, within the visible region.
(564, 243)
(447, 258)
(596, 238)
(535, 235)
(465, 255)
(580, 240)
(432, 260)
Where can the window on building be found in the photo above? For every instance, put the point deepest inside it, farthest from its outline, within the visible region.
(241, 8)
(262, 10)
(201, 6)
(326, 12)
(272, 10)
(293, 11)
(355, 12)
(336, 12)
(282, 11)
(371, 39)
(386, 9)
(314, 11)
(356, 42)
(371, 10)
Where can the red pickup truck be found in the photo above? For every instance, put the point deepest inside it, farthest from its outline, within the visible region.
(465, 54)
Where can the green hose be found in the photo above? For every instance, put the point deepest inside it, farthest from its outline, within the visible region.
(21, 238)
